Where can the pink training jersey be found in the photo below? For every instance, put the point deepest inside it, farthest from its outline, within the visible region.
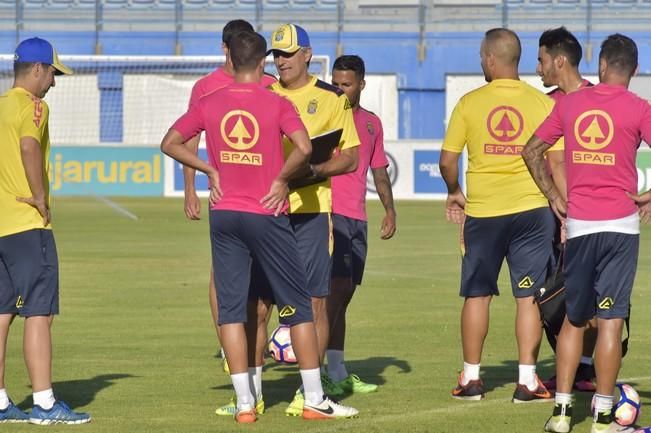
(602, 126)
(557, 94)
(244, 125)
(349, 190)
(216, 80)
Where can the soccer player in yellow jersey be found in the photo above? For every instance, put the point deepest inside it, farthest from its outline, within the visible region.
(506, 215)
(322, 108)
(29, 268)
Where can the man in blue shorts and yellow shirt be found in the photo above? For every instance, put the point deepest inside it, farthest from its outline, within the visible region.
(505, 214)
(322, 108)
(29, 267)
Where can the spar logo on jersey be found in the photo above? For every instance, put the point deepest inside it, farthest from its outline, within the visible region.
(505, 125)
(240, 131)
(593, 130)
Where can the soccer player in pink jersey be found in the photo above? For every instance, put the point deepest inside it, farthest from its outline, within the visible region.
(249, 178)
(559, 55)
(349, 218)
(602, 127)
(219, 78)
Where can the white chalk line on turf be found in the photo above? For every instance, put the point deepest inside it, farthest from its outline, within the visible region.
(457, 406)
(116, 207)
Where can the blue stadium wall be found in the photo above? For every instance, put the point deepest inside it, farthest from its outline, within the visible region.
(421, 84)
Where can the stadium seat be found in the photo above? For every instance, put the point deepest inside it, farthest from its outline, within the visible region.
(115, 3)
(247, 3)
(275, 3)
(328, 4)
(192, 4)
(35, 3)
(86, 4)
(624, 2)
(140, 4)
(62, 3)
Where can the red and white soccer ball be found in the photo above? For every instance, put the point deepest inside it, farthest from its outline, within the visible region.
(280, 345)
(627, 409)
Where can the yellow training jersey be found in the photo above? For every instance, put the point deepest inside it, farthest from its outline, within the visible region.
(21, 115)
(322, 108)
(495, 122)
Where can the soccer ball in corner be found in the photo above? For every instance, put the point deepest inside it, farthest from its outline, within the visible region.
(280, 345)
(627, 409)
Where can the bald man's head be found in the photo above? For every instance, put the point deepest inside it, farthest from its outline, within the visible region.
(504, 45)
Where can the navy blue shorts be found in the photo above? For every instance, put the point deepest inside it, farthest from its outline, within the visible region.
(525, 239)
(599, 273)
(29, 274)
(259, 287)
(314, 236)
(349, 256)
(237, 238)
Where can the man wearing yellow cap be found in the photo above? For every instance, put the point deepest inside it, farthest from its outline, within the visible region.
(322, 108)
(29, 279)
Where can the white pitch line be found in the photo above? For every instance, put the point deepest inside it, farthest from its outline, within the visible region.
(116, 207)
(456, 407)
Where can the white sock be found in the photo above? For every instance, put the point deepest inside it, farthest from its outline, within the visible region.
(470, 372)
(603, 403)
(312, 385)
(4, 399)
(336, 366)
(527, 376)
(243, 391)
(255, 379)
(563, 399)
(587, 360)
(45, 399)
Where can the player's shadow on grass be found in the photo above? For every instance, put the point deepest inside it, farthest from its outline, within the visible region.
(280, 391)
(77, 393)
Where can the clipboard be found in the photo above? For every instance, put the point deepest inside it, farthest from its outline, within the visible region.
(323, 146)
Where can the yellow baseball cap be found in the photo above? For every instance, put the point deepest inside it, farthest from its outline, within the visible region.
(37, 50)
(289, 38)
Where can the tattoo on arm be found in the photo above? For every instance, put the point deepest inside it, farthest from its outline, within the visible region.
(383, 187)
(533, 154)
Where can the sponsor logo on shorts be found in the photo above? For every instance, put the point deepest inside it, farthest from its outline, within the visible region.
(20, 302)
(287, 311)
(606, 304)
(525, 283)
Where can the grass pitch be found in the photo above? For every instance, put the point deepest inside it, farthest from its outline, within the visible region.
(135, 347)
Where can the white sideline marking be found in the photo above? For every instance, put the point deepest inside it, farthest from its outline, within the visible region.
(116, 207)
(457, 406)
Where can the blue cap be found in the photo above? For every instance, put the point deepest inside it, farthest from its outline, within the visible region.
(37, 50)
(289, 38)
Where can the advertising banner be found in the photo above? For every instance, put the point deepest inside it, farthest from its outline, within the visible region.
(118, 171)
